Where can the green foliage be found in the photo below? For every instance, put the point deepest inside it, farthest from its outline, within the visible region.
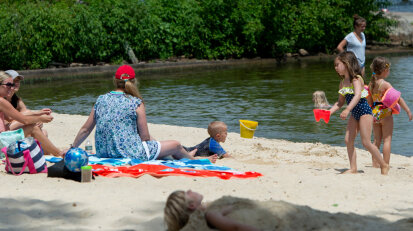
(38, 32)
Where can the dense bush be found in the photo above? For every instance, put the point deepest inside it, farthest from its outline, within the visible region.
(36, 33)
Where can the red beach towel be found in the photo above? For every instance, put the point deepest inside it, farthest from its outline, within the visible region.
(161, 171)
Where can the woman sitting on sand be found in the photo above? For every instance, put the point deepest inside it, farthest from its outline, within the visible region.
(184, 211)
(121, 127)
(19, 105)
(7, 111)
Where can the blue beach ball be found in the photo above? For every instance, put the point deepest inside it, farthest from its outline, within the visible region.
(75, 158)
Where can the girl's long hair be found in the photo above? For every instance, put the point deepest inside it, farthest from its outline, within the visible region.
(351, 63)
(378, 65)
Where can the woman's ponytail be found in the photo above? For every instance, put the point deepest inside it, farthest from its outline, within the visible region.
(132, 89)
(129, 86)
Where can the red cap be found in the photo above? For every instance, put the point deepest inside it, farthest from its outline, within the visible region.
(125, 72)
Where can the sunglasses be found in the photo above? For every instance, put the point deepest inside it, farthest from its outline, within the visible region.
(8, 84)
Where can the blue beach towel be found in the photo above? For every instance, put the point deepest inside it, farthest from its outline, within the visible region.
(200, 164)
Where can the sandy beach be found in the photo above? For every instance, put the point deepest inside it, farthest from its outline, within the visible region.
(305, 174)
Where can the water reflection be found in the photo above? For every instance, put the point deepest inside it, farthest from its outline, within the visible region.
(277, 96)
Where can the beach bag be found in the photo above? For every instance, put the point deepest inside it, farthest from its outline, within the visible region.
(25, 156)
(9, 137)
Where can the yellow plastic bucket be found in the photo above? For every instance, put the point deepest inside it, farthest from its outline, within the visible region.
(247, 128)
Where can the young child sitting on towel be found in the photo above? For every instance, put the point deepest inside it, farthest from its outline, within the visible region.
(217, 131)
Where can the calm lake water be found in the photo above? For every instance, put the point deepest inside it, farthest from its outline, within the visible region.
(279, 97)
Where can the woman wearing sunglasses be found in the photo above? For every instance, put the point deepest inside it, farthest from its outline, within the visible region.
(19, 105)
(7, 111)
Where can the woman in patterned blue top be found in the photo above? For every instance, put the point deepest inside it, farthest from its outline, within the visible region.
(121, 126)
(361, 119)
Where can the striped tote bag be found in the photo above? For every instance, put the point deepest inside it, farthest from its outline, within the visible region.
(25, 156)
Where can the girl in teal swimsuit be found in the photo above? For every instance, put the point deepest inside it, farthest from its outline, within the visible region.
(352, 91)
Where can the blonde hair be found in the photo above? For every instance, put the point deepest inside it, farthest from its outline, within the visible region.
(176, 212)
(129, 86)
(4, 76)
(350, 62)
(216, 127)
(378, 66)
(320, 99)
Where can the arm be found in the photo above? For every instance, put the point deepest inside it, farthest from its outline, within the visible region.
(370, 98)
(218, 219)
(226, 155)
(337, 105)
(405, 107)
(21, 107)
(86, 129)
(358, 87)
(142, 123)
(342, 45)
(44, 111)
(340, 102)
(13, 114)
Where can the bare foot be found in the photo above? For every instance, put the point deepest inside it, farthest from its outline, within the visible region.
(350, 171)
(385, 169)
(192, 153)
(213, 158)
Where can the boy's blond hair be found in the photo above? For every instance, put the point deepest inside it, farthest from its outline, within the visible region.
(215, 128)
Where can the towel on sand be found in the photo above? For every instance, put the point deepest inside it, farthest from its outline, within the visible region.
(159, 168)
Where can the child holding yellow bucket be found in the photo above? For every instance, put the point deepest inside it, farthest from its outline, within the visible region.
(217, 131)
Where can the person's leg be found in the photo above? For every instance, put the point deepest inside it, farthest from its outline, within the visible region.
(351, 133)
(377, 131)
(45, 132)
(174, 148)
(14, 125)
(387, 128)
(48, 147)
(366, 124)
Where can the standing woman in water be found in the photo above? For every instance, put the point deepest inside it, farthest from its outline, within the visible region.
(356, 41)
